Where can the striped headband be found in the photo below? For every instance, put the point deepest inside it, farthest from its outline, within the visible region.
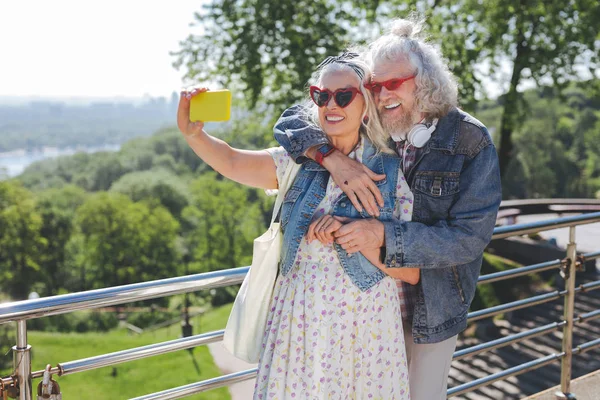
(344, 58)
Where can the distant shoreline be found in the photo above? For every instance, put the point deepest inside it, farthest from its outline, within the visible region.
(51, 150)
(15, 161)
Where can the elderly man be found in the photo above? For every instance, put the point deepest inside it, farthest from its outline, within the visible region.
(451, 165)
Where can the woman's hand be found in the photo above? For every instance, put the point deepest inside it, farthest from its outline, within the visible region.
(249, 167)
(187, 127)
(323, 228)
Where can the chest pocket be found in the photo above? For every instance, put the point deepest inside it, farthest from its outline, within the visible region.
(288, 205)
(434, 194)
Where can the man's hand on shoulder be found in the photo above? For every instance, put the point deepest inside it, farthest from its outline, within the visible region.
(356, 180)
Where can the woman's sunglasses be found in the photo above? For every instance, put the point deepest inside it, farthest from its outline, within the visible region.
(342, 97)
(391, 84)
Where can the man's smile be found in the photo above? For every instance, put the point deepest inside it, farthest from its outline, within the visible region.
(392, 106)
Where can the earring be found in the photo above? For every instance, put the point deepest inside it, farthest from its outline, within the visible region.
(366, 119)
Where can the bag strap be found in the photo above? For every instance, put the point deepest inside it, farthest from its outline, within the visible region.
(286, 181)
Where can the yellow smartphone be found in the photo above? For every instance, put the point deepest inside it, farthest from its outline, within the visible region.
(211, 106)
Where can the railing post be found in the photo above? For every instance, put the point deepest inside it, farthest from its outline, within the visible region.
(22, 362)
(569, 310)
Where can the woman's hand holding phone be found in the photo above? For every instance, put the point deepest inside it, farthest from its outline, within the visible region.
(184, 123)
(251, 167)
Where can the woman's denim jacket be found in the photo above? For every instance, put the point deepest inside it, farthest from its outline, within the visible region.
(457, 192)
(305, 194)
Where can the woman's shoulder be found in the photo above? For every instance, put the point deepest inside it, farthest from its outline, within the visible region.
(280, 155)
(282, 160)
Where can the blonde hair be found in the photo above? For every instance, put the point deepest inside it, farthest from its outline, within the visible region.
(436, 93)
(372, 128)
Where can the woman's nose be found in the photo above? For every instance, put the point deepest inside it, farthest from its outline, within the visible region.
(331, 103)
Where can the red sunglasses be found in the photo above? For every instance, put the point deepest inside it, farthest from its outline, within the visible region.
(342, 97)
(391, 84)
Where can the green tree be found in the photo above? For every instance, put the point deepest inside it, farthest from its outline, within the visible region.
(57, 208)
(155, 185)
(272, 47)
(555, 147)
(20, 240)
(120, 242)
(541, 41)
(220, 224)
(263, 44)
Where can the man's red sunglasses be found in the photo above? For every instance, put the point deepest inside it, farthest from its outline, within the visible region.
(391, 84)
(342, 97)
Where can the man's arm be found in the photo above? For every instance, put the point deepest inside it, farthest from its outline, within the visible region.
(301, 139)
(297, 135)
(464, 235)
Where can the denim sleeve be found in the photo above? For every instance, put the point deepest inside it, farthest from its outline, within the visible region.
(462, 237)
(296, 134)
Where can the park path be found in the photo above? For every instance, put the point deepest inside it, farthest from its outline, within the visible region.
(227, 363)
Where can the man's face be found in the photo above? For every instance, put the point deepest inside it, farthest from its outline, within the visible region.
(397, 108)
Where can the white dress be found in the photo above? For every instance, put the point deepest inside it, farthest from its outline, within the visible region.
(325, 338)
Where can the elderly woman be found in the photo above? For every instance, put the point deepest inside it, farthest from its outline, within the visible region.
(335, 326)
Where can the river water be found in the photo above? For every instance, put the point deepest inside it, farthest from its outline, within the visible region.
(14, 162)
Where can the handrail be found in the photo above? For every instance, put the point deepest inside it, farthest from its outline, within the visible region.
(502, 232)
(517, 370)
(515, 305)
(61, 304)
(202, 386)
(520, 369)
(71, 367)
(119, 357)
(505, 341)
(534, 202)
(513, 273)
(28, 309)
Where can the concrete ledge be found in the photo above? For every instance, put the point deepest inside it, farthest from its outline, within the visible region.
(586, 387)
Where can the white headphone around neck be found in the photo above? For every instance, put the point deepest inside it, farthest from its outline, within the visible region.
(421, 133)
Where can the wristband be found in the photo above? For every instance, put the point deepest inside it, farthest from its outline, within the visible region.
(323, 151)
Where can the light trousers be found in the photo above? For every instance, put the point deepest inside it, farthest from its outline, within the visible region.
(428, 367)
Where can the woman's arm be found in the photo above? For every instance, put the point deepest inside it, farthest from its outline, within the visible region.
(408, 275)
(252, 168)
(323, 229)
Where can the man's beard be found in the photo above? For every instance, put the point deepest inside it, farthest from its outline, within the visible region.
(398, 126)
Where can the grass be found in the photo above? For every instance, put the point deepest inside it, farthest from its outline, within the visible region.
(134, 378)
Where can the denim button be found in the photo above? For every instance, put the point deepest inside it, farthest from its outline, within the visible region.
(343, 205)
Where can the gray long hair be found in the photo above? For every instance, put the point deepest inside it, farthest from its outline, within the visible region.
(372, 128)
(436, 92)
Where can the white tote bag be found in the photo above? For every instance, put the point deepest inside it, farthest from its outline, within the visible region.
(248, 319)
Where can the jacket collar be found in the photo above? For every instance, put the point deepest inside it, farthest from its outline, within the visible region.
(445, 136)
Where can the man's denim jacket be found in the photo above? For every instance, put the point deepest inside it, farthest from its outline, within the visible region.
(305, 194)
(457, 192)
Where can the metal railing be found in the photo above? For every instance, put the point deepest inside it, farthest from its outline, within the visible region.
(21, 380)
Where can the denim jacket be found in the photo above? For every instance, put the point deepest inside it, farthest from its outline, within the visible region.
(305, 194)
(457, 192)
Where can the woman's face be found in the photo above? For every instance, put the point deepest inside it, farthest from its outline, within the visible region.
(335, 120)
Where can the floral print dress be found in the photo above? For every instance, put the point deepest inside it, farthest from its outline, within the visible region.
(325, 338)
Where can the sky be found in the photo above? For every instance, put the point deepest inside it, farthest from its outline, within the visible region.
(109, 48)
(103, 49)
